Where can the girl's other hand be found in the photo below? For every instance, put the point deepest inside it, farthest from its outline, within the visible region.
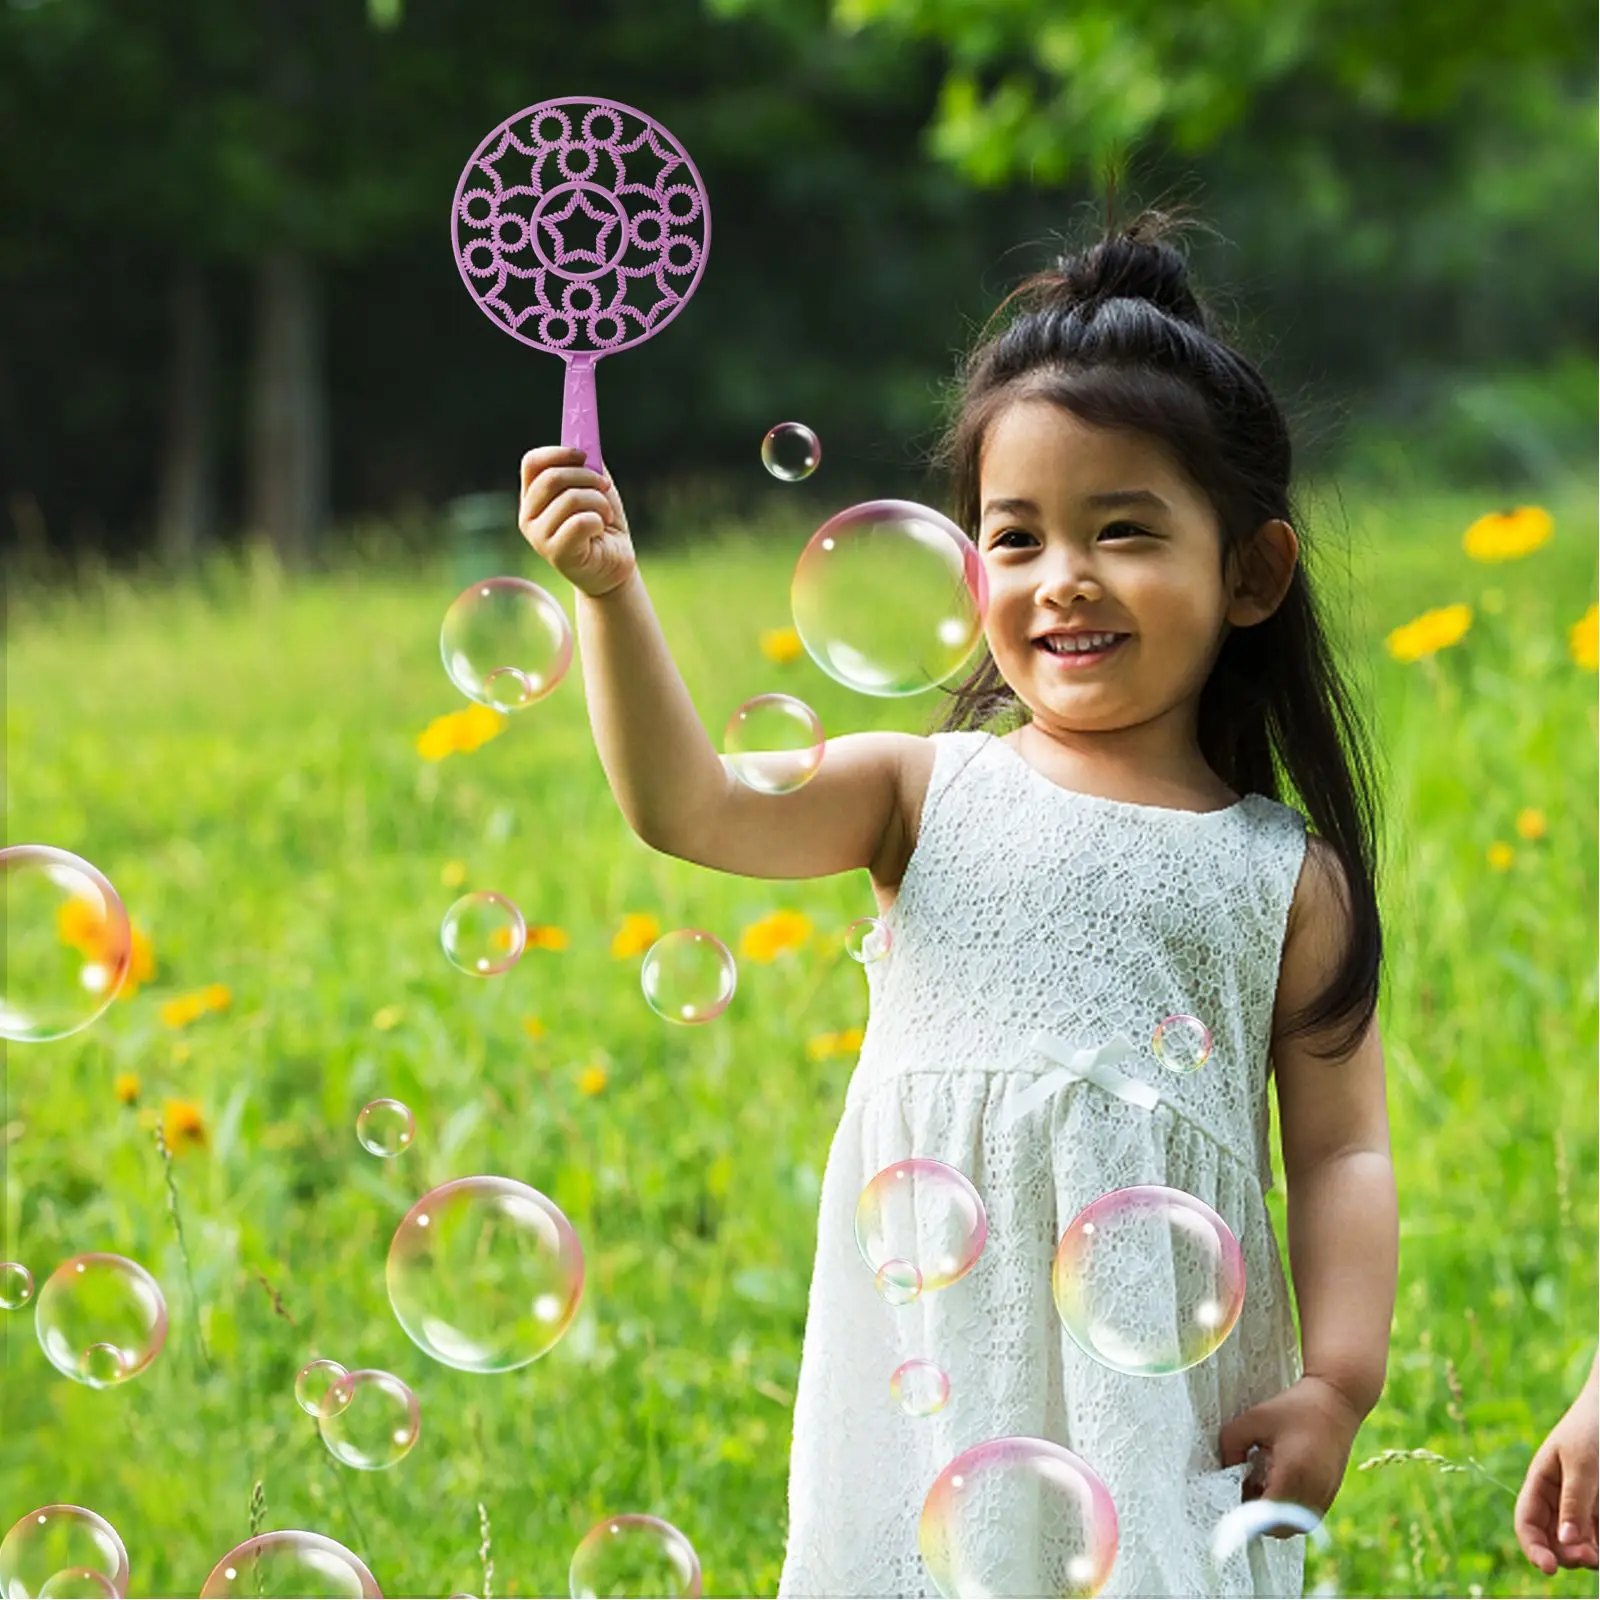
(574, 518)
(1305, 1434)
(1557, 1510)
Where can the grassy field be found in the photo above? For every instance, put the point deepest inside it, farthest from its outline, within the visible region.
(238, 754)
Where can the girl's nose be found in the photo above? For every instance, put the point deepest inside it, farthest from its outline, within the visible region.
(1069, 577)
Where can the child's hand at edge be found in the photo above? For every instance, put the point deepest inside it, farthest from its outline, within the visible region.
(1305, 1434)
(1556, 1515)
(573, 517)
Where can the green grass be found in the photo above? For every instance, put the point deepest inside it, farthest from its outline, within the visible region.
(237, 755)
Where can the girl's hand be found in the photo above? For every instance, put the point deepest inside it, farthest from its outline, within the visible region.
(1557, 1511)
(1305, 1435)
(574, 518)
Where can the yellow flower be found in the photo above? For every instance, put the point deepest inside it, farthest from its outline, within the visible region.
(184, 1124)
(1583, 638)
(437, 740)
(217, 997)
(387, 1017)
(1432, 631)
(1500, 855)
(1531, 823)
(781, 645)
(182, 1009)
(453, 874)
(541, 937)
(822, 1045)
(767, 939)
(81, 927)
(638, 932)
(141, 965)
(125, 1086)
(592, 1079)
(533, 1027)
(1507, 535)
(478, 725)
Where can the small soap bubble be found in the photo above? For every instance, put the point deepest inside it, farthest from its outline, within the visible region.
(1107, 1258)
(922, 1212)
(1255, 1521)
(289, 1563)
(16, 1286)
(65, 939)
(369, 1419)
(919, 1388)
(483, 934)
(485, 1274)
(1059, 1520)
(634, 1555)
(313, 1386)
(773, 743)
(101, 1319)
(898, 1282)
(69, 1547)
(506, 643)
(1182, 1043)
(868, 939)
(688, 976)
(889, 598)
(385, 1127)
(790, 451)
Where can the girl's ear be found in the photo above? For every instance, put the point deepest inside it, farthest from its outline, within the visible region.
(1260, 572)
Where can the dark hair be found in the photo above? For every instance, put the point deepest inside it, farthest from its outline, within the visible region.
(1115, 335)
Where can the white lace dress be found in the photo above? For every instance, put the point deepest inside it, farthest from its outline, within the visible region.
(1033, 923)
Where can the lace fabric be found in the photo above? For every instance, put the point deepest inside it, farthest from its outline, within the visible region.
(1034, 924)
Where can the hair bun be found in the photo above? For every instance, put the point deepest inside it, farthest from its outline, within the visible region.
(1136, 263)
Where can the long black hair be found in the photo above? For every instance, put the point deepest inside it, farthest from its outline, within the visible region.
(1115, 335)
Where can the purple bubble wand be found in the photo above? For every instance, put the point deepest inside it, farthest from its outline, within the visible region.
(581, 227)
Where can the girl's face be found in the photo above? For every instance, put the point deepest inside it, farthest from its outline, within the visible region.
(1063, 557)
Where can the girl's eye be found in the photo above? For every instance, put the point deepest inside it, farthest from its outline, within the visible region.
(999, 540)
(1131, 527)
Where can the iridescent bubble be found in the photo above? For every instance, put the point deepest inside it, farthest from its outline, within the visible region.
(688, 976)
(919, 1388)
(16, 1286)
(1254, 1520)
(898, 1282)
(1018, 1516)
(385, 1127)
(290, 1563)
(485, 1274)
(1131, 1243)
(67, 944)
(790, 451)
(483, 934)
(506, 643)
(1182, 1043)
(634, 1555)
(369, 1419)
(57, 1540)
(773, 744)
(313, 1386)
(77, 1583)
(101, 1319)
(922, 1212)
(868, 939)
(889, 598)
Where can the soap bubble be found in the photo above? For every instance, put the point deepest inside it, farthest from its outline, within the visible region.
(101, 1319)
(483, 934)
(868, 939)
(16, 1287)
(385, 1127)
(773, 744)
(289, 1563)
(313, 1386)
(506, 643)
(919, 1388)
(922, 1212)
(889, 598)
(790, 451)
(898, 1282)
(485, 1274)
(1182, 1043)
(77, 1583)
(66, 940)
(369, 1419)
(1248, 1523)
(54, 1541)
(634, 1555)
(688, 976)
(1140, 1246)
(1018, 1516)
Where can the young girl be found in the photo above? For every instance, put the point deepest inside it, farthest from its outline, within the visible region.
(1118, 856)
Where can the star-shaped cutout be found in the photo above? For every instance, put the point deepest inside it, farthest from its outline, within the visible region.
(565, 257)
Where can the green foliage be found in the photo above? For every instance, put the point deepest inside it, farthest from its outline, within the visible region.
(238, 756)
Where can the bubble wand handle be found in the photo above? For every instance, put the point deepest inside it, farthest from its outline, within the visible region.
(580, 421)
